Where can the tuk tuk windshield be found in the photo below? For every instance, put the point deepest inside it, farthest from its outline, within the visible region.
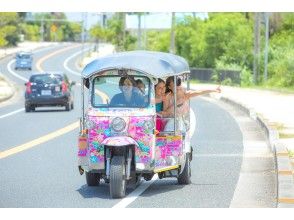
(118, 91)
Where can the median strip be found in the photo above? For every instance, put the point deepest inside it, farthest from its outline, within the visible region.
(39, 141)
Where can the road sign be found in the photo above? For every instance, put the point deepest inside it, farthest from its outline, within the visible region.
(53, 28)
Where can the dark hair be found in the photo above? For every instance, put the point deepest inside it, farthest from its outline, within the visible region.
(139, 81)
(122, 80)
(169, 80)
(159, 81)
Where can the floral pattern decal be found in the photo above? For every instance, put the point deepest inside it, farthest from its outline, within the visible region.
(168, 149)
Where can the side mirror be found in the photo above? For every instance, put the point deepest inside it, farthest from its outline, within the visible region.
(73, 83)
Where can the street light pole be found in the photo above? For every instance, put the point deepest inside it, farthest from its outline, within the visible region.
(42, 30)
(256, 47)
(82, 120)
(172, 34)
(266, 18)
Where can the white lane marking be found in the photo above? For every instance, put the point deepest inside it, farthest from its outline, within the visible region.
(14, 73)
(12, 61)
(193, 122)
(11, 113)
(135, 194)
(144, 186)
(9, 68)
(65, 63)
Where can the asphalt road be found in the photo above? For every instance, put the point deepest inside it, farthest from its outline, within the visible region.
(46, 174)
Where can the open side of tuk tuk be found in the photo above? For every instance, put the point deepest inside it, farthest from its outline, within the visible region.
(118, 140)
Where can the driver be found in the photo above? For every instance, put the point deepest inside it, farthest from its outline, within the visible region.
(129, 97)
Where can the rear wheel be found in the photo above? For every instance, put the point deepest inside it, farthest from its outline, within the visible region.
(27, 108)
(72, 105)
(93, 179)
(67, 106)
(117, 177)
(185, 177)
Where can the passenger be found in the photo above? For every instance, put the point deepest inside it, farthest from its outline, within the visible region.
(159, 98)
(141, 86)
(182, 98)
(128, 96)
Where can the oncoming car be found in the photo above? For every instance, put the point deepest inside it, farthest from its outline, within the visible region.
(23, 60)
(49, 89)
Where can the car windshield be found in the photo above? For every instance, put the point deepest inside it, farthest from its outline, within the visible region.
(117, 91)
(46, 79)
(23, 56)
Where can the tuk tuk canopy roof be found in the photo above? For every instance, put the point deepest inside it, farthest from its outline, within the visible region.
(155, 64)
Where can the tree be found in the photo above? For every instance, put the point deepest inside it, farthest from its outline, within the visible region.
(8, 29)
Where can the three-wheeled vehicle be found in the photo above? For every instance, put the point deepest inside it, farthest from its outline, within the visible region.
(118, 140)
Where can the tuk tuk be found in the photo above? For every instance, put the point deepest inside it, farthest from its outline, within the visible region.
(118, 140)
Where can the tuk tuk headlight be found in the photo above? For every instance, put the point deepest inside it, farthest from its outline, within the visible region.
(118, 124)
(90, 124)
(149, 125)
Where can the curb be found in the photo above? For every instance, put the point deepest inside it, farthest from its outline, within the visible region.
(13, 90)
(3, 56)
(284, 172)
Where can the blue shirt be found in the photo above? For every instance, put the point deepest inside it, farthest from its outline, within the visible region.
(159, 106)
(136, 100)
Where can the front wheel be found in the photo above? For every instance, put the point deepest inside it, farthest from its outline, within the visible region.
(185, 177)
(117, 177)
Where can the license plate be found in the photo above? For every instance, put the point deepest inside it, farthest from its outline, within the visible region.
(23, 62)
(46, 92)
(57, 89)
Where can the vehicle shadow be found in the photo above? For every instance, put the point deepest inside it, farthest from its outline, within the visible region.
(169, 184)
(101, 191)
(158, 187)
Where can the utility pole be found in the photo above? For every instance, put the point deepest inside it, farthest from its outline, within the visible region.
(256, 47)
(139, 32)
(145, 32)
(172, 34)
(266, 19)
(42, 30)
(83, 36)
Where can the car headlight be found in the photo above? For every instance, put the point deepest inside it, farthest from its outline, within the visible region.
(149, 125)
(118, 124)
(90, 124)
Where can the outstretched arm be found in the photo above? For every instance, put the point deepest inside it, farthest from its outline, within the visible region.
(190, 94)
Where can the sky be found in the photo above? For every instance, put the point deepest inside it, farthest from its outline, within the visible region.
(152, 20)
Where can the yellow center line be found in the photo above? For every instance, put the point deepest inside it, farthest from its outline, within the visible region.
(40, 61)
(39, 140)
(51, 135)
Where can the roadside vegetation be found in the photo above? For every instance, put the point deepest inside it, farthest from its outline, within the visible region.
(42, 26)
(222, 41)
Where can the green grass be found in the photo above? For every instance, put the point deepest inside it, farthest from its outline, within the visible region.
(291, 153)
(283, 135)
